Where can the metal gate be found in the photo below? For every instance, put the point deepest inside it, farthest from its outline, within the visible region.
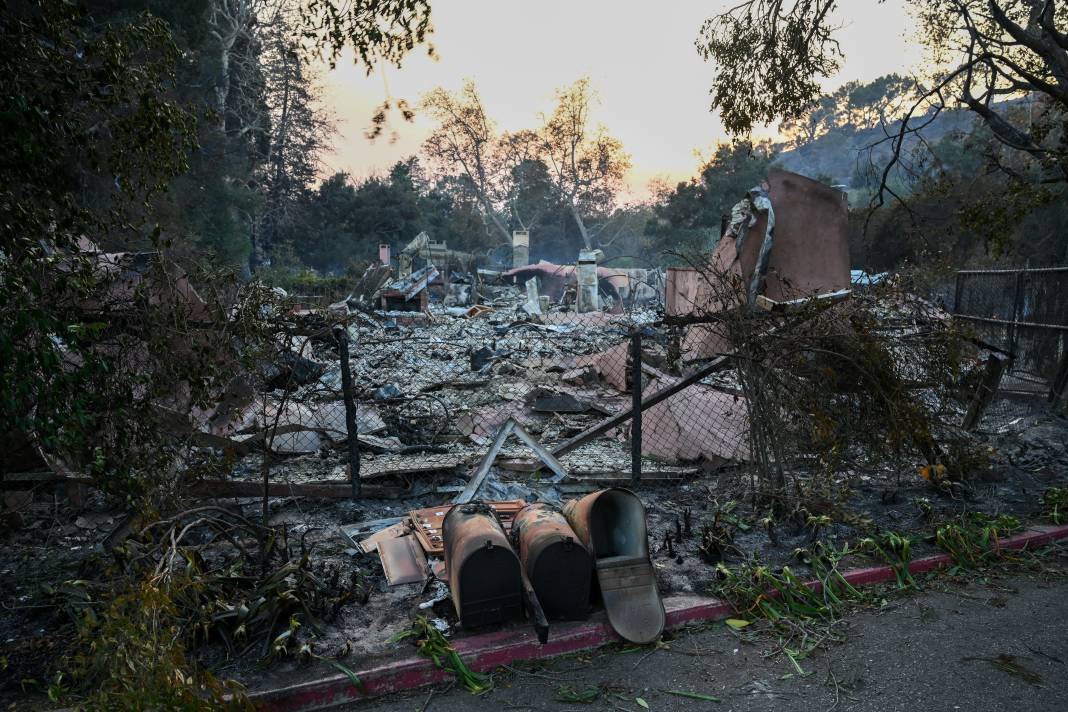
(1023, 314)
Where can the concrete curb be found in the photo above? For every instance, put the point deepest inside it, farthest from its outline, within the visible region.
(488, 651)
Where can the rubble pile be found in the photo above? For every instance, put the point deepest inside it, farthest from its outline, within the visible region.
(442, 364)
(487, 417)
(432, 392)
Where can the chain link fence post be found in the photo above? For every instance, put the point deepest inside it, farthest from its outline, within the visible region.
(351, 424)
(1016, 313)
(636, 405)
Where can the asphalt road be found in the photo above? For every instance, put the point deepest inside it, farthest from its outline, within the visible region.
(993, 644)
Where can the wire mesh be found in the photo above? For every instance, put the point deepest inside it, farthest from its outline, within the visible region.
(444, 380)
(440, 363)
(1025, 314)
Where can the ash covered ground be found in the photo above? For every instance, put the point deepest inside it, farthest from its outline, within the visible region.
(432, 391)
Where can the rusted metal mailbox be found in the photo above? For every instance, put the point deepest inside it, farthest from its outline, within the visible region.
(484, 574)
(611, 524)
(557, 564)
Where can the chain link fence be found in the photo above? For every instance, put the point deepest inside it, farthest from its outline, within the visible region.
(552, 348)
(610, 371)
(1023, 315)
(616, 374)
(440, 361)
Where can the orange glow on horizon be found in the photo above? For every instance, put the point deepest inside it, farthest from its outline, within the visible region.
(652, 84)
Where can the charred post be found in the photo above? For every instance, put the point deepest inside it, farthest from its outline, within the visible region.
(636, 406)
(351, 423)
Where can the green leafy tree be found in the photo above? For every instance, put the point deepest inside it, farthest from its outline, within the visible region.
(770, 57)
(991, 57)
(986, 51)
(102, 109)
(88, 133)
(688, 218)
(586, 164)
(343, 222)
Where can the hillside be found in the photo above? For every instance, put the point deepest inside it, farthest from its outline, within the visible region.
(841, 150)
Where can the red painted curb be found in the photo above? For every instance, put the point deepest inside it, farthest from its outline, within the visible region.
(491, 650)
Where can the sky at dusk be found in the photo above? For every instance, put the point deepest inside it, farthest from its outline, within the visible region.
(640, 57)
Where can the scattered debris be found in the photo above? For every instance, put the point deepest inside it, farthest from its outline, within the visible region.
(403, 560)
(447, 365)
(399, 295)
(510, 427)
(370, 544)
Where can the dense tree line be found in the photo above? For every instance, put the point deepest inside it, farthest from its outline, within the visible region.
(242, 74)
(687, 219)
(473, 185)
(249, 193)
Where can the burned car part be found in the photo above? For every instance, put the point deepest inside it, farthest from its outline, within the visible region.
(484, 572)
(558, 565)
(611, 524)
